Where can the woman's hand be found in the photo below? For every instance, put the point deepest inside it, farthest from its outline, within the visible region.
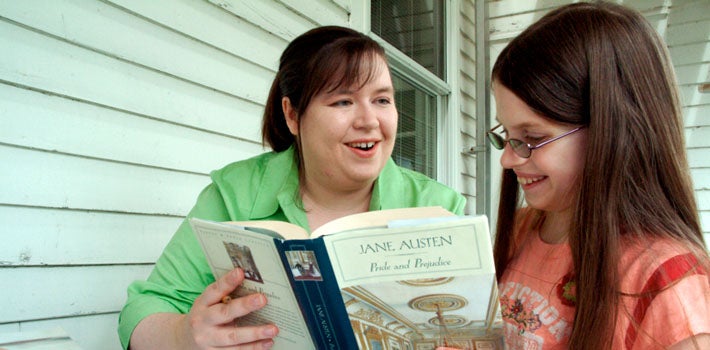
(210, 323)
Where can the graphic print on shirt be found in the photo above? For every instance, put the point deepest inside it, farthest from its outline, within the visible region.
(532, 318)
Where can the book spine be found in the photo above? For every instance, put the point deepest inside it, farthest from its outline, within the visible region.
(313, 282)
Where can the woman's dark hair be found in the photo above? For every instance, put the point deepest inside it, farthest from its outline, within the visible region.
(603, 66)
(322, 59)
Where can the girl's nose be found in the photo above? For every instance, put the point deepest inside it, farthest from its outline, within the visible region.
(510, 160)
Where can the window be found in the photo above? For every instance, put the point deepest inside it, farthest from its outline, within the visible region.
(415, 29)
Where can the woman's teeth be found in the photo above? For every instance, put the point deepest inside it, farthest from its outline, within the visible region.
(362, 145)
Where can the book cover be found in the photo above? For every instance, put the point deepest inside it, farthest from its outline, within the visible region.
(413, 283)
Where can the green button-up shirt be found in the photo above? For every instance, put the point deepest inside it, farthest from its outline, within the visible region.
(261, 188)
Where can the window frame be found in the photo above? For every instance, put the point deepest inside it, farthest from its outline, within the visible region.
(445, 91)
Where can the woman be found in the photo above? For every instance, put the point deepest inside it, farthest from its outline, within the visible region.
(608, 251)
(331, 121)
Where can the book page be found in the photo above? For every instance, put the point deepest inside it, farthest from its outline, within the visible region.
(281, 229)
(378, 218)
(228, 246)
(430, 278)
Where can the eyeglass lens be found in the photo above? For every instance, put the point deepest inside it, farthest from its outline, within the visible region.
(519, 147)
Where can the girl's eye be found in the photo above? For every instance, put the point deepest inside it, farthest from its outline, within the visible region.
(342, 103)
(534, 140)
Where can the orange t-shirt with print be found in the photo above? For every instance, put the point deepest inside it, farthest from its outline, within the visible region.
(666, 296)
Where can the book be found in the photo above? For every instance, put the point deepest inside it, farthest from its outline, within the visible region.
(401, 279)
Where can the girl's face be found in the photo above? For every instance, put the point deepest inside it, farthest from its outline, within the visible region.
(347, 135)
(550, 176)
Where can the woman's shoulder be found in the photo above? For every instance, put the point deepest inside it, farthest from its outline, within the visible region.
(252, 169)
(418, 189)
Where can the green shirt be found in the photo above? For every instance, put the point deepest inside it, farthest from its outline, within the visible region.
(261, 188)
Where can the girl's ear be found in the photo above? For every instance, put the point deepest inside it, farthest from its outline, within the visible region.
(291, 115)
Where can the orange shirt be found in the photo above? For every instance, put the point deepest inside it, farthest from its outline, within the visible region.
(670, 302)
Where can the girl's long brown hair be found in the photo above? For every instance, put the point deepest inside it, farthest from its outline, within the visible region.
(603, 66)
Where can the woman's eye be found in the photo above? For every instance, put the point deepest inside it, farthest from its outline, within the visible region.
(342, 103)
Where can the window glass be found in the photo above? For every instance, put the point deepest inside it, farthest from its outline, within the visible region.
(415, 28)
(415, 147)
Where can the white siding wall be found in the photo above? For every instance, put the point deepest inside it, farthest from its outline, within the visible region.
(685, 25)
(468, 102)
(112, 113)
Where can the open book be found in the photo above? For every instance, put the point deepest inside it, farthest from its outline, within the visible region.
(404, 279)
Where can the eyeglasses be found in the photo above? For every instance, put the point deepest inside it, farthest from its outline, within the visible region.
(521, 148)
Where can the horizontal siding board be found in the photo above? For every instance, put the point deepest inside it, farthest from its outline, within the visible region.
(687, 32)
(701, 178)
(137, 40)
(54, 180)
(693, 74)
(683, 11)
(697, 137)
(323, 12)
(98, 331)
(49, 236)
(699, 158)
(33, 59)
(40, 121)
(690, 53)
(647, 6)
(269, 15)
(703, 198)
(502, 8)
(209, 23)
(697, 115)
(690, 96)
(65, 291)
(505, 28)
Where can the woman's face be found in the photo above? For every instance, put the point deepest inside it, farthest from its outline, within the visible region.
(550, 176)
(347, 135)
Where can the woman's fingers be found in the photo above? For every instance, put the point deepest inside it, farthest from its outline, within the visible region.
(212, 318)
(222, 313)
(251, 337)
(214, 293)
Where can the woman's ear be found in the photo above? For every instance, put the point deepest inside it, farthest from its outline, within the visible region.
(291, 115)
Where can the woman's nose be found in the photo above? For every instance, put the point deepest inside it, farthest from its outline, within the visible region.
(366, 117)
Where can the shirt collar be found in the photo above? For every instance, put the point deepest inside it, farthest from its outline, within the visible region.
(280, 182)
(283, 169)
(388, 191)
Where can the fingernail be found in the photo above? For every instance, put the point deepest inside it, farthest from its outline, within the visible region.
(268, 344)
(269, 332)
(258, 300)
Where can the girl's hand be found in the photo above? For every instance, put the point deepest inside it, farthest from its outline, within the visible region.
(211, 322)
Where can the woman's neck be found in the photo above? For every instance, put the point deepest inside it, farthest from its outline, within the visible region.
(323, 204)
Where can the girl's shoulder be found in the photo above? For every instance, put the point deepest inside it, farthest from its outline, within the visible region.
(655, 262)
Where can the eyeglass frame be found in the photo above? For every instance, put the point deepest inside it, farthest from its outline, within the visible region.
(490, 135)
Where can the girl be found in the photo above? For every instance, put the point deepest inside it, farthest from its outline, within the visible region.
(608, 252)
